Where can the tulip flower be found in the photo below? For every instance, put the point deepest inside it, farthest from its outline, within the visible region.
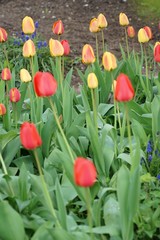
(3, 35)
(84, 172)
(124, 91)
(66, 47)
(142, 36)
(92, 81)
(6, 74)
(2, 109)
(88, 56)
(45, 84)
(102, 22)
(149, 32)
(29, 136)
(29, 48)
(56, 48)
(93, 26)
(109, 61)
(28, 26)
(123, 19)
(58, 27)
(14, 95)
(131, 32)
(157, 52)
(25, 75)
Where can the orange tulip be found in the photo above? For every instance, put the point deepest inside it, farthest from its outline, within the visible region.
(92, 81)
(142, 36)
(45, 84)
(131, 32)
(102, 22)
(29, 49)
(28, 26)
(6, 74)
(2, 109)
(109, 61)
(66, 47)
(93, 26)
(123, 19)
(14, 95)
(29, 136)
(84, 172)
(58, 27)
(3, 35)
(149, 32)
(56, 48)
(124, 91)
(88, 56)
(25, 75)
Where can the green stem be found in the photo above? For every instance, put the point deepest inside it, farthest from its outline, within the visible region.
(146, 68)
(45, 189)
(97, 51)
(89, 211)
(6, 56)
(126, 36)
(93, 95)
(60, 129)
(15, 114)
(128, 126)
(60, 75)
(103, 41)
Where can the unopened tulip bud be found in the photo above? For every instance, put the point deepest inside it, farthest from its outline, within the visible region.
(131, 32)
(92, 81)
(6, 74)
(109, 61)
(88, 56)
(3, 35)
(58, 27)
(25, 75)
(149, 32)
(93, 26)
(14, 95)
(142, 36)
(56, 48)
(157, 52)
(66, 47)
(28, 26)
(2, 109)
(102, 22)
(123, 19)
(29, 49)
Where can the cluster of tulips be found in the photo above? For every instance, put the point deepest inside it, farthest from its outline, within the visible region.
(40, 86)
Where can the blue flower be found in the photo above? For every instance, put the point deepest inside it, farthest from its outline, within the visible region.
(149, 158)
(33, 35)
(158, 176)
(44, 44)
(39, 44)
(26, 37)
(149, 147)
(36, 24)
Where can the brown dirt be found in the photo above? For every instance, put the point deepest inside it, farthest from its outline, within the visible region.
(76, 15)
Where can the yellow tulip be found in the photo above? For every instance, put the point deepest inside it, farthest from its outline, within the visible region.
(109, 61)
(28, 26)
(142, 36)
(25, 75)
(123, 19)
(29, 48)
(56, 48)
(92, 81)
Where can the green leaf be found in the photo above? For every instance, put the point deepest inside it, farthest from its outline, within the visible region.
(11, 219)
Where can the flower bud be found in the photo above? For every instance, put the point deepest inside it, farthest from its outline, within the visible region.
(149, 32)
(102, 22)
(88, 56)
(6, 74)
(29, 49)
(28, 26)
(58, 27)
(92, 81)
(2, 109)
(109, 61)
(142, 36)
(3, 35)
(93, 26)
(157, 52)
(56, 48)
(123, 19)
(66, 47)
(14, 95)
(131, 32)
(25, 75)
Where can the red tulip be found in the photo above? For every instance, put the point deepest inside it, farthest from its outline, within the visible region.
(84, 172)
(124, 91)
(58, 27)
(2, 109)
(3, 35)
(66, 47)
(157, 52)
(29, 136)
(14, 95)
(44, 84)
(6, 74)
(131, 31)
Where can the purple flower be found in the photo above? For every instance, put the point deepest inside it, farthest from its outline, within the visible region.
(158, 176)
(33, 35)
(39, 44)
(44, 44)
(149, 158)
(149, 147)
(36, 24)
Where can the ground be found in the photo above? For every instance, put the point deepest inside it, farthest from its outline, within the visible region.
(76, 15)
